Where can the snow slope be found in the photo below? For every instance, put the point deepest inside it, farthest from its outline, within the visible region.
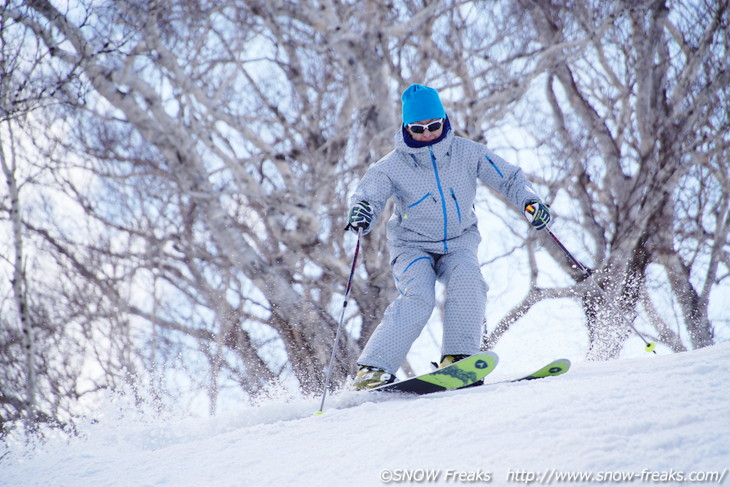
(654, 417)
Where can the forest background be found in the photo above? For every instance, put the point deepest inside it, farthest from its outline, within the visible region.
(176, 181)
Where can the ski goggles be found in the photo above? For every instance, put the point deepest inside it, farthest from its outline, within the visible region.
(418, 128)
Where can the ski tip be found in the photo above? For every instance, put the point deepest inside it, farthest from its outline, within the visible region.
(562, 363)
(556, 367)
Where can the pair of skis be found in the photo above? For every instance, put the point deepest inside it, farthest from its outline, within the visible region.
(469, 372)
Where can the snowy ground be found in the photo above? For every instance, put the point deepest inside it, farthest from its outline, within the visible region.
(659, 418)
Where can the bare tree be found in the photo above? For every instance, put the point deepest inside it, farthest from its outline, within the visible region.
(18, 343)
(18, 280)
(637, 120)
(52, 313)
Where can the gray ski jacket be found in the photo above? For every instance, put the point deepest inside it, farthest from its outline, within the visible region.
(434, 188)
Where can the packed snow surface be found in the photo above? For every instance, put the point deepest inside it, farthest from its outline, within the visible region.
(654, 420)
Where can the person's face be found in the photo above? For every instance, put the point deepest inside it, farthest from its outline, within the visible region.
(426, 135)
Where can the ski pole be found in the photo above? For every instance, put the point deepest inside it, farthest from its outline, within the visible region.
(339, 326)
(650, 346)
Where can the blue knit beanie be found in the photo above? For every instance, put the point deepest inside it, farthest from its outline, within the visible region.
(421, 103)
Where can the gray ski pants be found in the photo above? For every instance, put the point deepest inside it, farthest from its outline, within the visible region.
(416, 273)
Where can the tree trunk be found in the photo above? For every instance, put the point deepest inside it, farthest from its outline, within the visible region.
(19, 282)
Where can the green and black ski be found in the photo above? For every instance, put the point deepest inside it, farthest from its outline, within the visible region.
(463, 373)
(467, 373)
(556, 367)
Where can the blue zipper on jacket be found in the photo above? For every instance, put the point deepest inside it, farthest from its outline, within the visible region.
(443, 199)
(419, 201)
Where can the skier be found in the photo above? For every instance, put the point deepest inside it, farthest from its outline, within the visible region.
(432, 235)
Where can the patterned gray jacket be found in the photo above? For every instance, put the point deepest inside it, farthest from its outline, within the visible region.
(434, 189)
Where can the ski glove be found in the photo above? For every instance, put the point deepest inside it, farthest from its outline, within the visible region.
(361, 214)
(538, 214)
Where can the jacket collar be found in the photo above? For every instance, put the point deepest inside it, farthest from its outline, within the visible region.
(440, 148)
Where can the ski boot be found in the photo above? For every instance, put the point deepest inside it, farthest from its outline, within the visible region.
(371, 377)
(450, 359)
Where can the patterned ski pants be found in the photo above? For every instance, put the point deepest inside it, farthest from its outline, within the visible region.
(416, 273)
